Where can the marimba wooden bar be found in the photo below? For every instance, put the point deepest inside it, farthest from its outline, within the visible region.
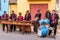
(23, 24)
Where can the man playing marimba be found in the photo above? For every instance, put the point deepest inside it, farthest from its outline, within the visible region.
(13, 17)
(5, 17)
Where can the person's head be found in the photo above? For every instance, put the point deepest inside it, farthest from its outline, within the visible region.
(48, 11)
(20, 14)
(44, 23)
(4, 12)
(27, 11)
(53, 11)
(39, 10)
(12, 11)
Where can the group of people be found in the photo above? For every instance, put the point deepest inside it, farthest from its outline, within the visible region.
(14, 17)
(53, 17)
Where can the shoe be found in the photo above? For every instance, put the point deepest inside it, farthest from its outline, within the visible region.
(54, 36)
(6, 31)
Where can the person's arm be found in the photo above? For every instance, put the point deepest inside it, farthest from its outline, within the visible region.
(40, 15)
(29, 16)
(22, 18)
(25, 17)
(35, 15)
(46, 15)
(1, 17)
(57, 18)
(11, 16)
(15, 17)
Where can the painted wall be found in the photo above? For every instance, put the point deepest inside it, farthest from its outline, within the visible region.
(12, 8)
(23, 5)
(59, 8)
(4, 6)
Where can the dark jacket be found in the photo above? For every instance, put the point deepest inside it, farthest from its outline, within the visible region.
(56, 19)
(7, 16)
(14, 16)
(28, 18)
(48, 15)
(38, 15)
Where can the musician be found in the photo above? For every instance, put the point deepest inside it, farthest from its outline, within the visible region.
(27, 16)
(48, 15)
(38, 16)
(5, 16)
(20, 18)
(54, 22)
(13, 17)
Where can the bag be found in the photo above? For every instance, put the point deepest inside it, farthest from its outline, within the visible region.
(39, 32)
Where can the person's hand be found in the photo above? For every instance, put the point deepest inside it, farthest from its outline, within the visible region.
(13, 19)
(4, 18)
(53, 22)
(9, 19)
(53, 28)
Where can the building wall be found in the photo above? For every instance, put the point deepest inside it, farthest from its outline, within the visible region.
(24, 5)
(59, 8)
(12, 7)
(4, 7)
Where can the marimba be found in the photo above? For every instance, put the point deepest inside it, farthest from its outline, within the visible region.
(24, 25)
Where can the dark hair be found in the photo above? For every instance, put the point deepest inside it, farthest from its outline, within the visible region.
(12, 11)
(4, 11)
(20, 13)
(53, 10)
(44, 23)
(27, 11)
(38, 10)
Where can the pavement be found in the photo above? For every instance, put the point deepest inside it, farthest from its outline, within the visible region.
(19, 36)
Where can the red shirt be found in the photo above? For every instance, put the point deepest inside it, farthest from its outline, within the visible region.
(20, 18)
(53, 17)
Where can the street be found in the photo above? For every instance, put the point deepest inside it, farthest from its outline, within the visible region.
(19, 36)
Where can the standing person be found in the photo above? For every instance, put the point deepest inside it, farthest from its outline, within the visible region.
(48, 15)
(5, 16)
(38, 14)
(20, 18)
(54, 22)
(13, 17)
(27, 16)
(38, 17)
